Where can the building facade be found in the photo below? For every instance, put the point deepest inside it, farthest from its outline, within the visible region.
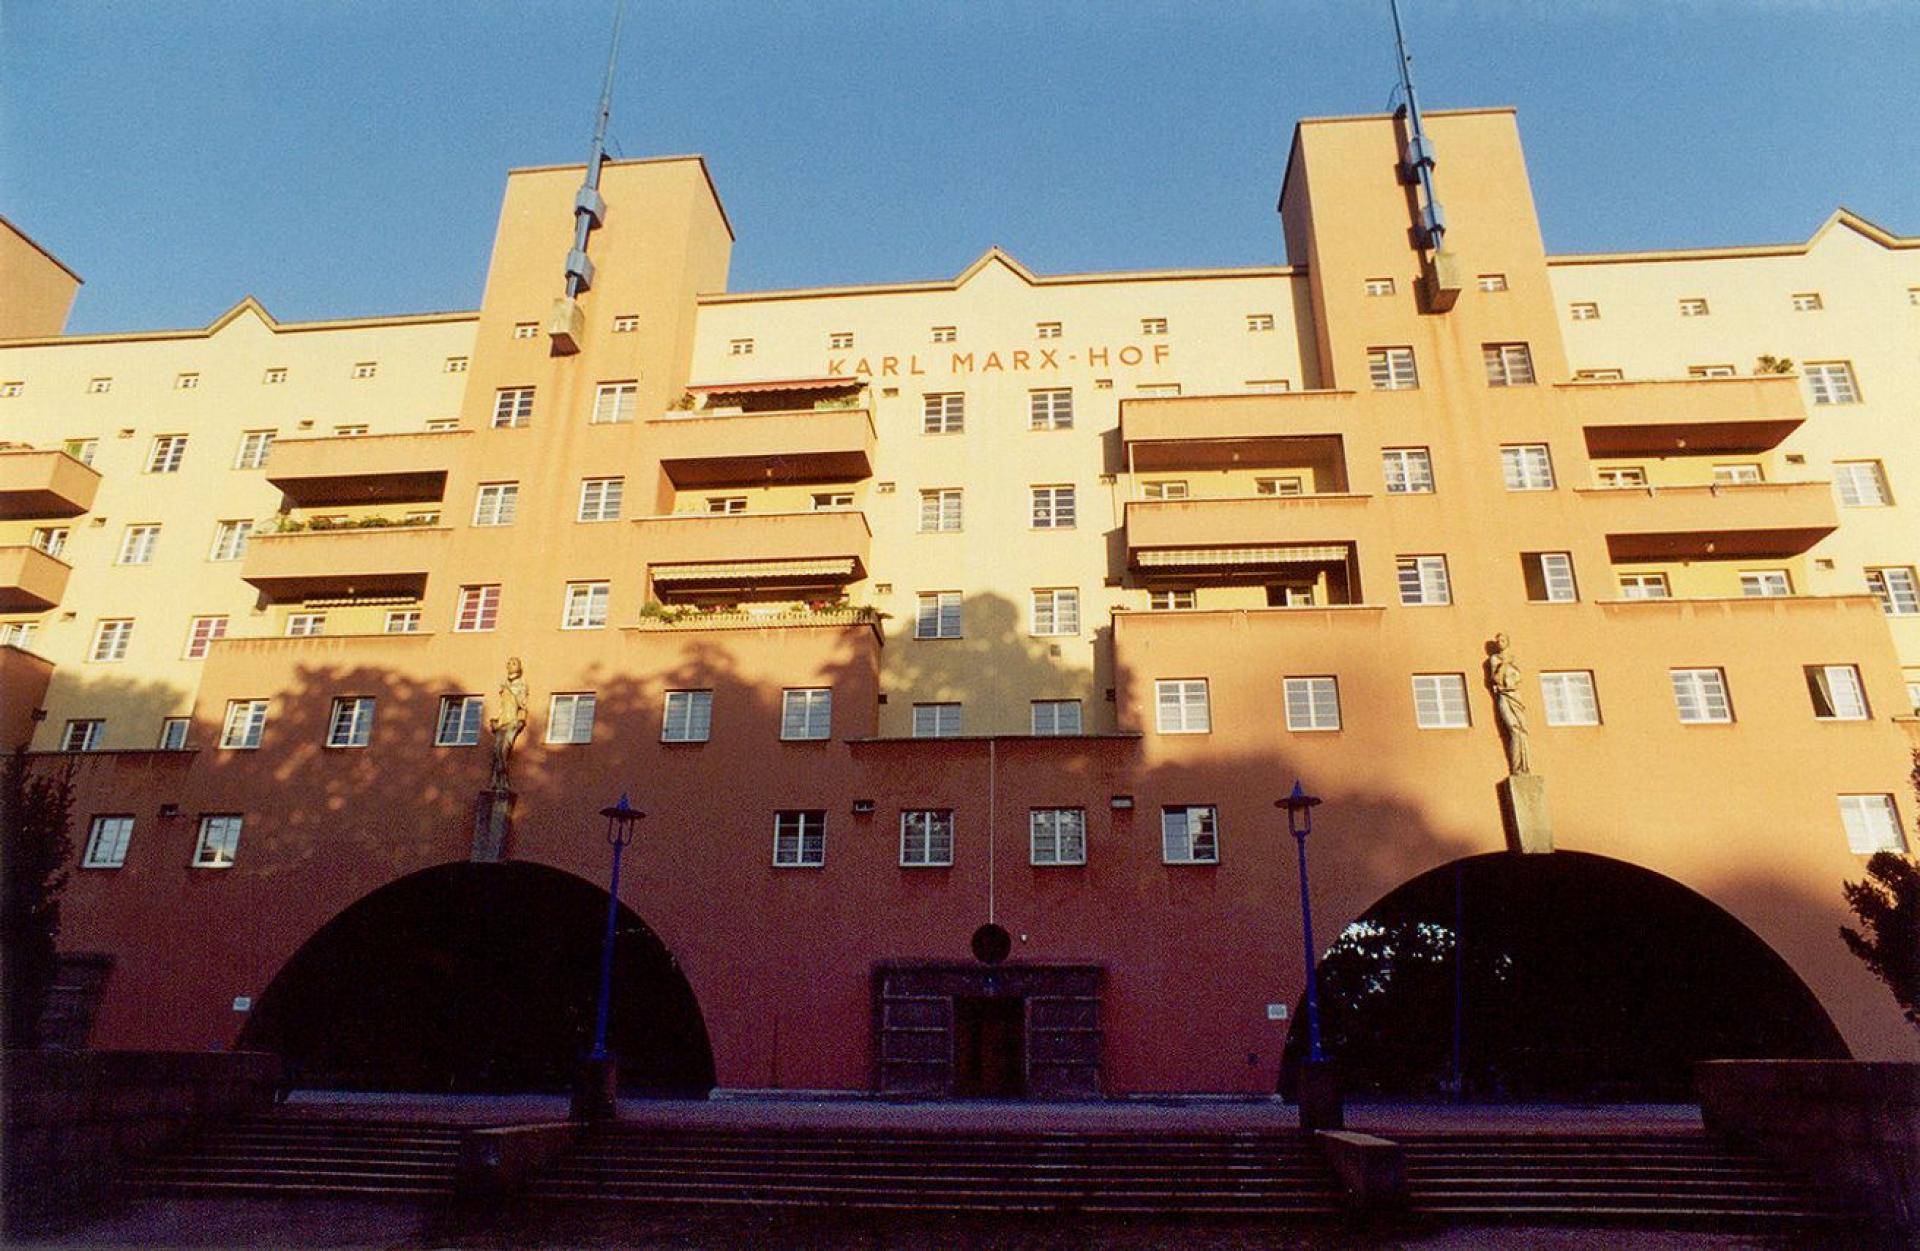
(1011, 599)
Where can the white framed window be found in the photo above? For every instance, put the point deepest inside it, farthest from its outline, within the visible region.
(1583, 310)
(1312, 703)
(137, 544)
(1259, 323)
(570, 717)
(1526, 467)
(1644, 586)
(366, 369)
(936, 720)
(943, 412)
(1149, 390)
(1831, 382)
(1763, 583)
(1701, 696)
(726, 505)
(1599, 375)
(230, 539)
(1711, 371)
(12, 390)
(626, 323)
(800, 839)
(940, 510)
(274, 376)
(615, 402)
(1056, 836)
(219, 841)
(1508, 364)
(586, 606)
(1408, 470)
(1440, 701)
(824, 500)
(1693, 306)
(1743, 474)
(306, 625)
(254, 446)
(173, 733)
(442, 425)
(50, 539)
(1423, 580)
(1165, 489)
(495, 503)
(1050, 409)
(82, 450)
(926, 838)
(99, 386)
(739, 347)
(1896, 589)
(1807, 302)
(455, 365)
(351, 724)
(1569, 698)
(83, 734)
(526, 329)
(202, 633)
(946, 334)
(1055, 718)
(479, 608)
(601, 498)
(687, 717)
(18, 634)
(938, 615)
(1173, 599)
(1549, 577)
(1913, 697)
(840, 340)
(352, 431)
(1181, 706)
(459, 722)
(186, 382)
(1190, 835)
(1837, 692)
(246, 722)
(167, 452)
(402, 621)
(107, 842)
(1267, 386)
(1491, 282)
(1053, 508)
(1291, 484)
(1861, 484)
(1391, 369)
(1298, 595)
(1056, 611)
(110, 639)
(1047, 330)
(1620, 477)
(512, 407)
(1379, 286)
(806, 714)
(1153, 325)
(1872, 823)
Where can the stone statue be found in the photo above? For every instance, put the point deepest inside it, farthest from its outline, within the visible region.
(508, 720)
(1503, 679)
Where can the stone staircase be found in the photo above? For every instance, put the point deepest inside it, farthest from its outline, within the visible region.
(293, 1155)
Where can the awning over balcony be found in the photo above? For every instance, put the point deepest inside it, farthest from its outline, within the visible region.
(1240, 557)
(776, 384)
(842, 569)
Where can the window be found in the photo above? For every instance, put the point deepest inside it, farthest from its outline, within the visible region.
(1701, 696)
(99, 386)
(940, 510)
(495, 503)
(1408, 470)
(107, 843)
(1837, 692)
(254, 446)
(926, 838)
(1285, 596)
(50, 539)
(403, 621)
(1054, 718)
(1046, 330)
(740, 347)
(246, 720)
(936, 721)
(1391, 369)
(1549, 577)
(687, 718)
(1861, 484)
(600, 498)
(352, 722)
(1491, 282)
(1292, 484)
(479, 608)
(1181, 706)
(938, 616)
(1897, 590)
(526, 329)
(626, 323)
(1103, 384)
(1173, 489)
(173, 733)
(615, 402)
(1259, 323)
(137, 544)
(1526, 467)
(570, 718)
(1057, 836)
(1053, 508)
(166, 454)
(219, 840)
(1267, 386)
(945, 334)
(944, 413)
(1737, 475)
(1585, 310)
(806, 714)
(726, 505)
(1599, 375)
(110, 639)
(823, 500)
(1872, 824)
(1190, 835)
(230, 540)
(1643, 586)
(306, 625)
(83, 735)
(586, 606)
(1379, 286)
(1831, 382)
(459, 721)
(512, 407)
(1711, 371)
(18, 634)
(353, 431)
(1153, 325)
(1056, 611)
(840, 340)
(1158, 389)
(81, 450)
(455, 365)
(201, 635)
(1693, 307)
(1569, 698)
(1312, 703)
(186, 382)
(799, 839)
(1179, 600)
(1051, 409)
(1423, 580)
(1807, 302)
(366, 369)
(1620, 476)
(1758, 583)
(1440, 701)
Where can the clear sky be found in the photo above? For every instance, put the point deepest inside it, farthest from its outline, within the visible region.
(346, 157)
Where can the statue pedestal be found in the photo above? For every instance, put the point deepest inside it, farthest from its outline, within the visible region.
(1523, 806)
(492, 825)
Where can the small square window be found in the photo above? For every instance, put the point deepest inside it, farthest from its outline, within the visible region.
(526, 329)
(12, 390)
(800, 839)
(1190, 835)
(1765, 583)
(570, 718)
(936, 720)
(512, 407)
(186, 382)
(626, 323)
(110, 640)
(246, 722)
(586, 606)
(687, 717)
(943, 413)
(99, 386)
(1491, 282)
(1508, 364)
(1711, 371)
(1440, 701)
(219, 841)
(107, 842)
(1379, 286)
(479, 609)
(1057, 836)
(166, 454)
(495, 503)
(1181, 706)
(274, 376)
(1423, 581)
(1700, 695)
(1693, 307)
(83, 734)
(1620, 477)
(1046, 330)
(601, 498)
(1837, 692)
(1391, 369)
(351, 724)
(1897, 590)
(940, 511)
(1549, 577)
(461, 717)
(455, 365)
(740, 347)
(1267, 386)
(202, 634)
(1181, 600)
(1407, 470)
(253, 450)
(840, 340)
(1644, 586)
(1526, 467)
(1053, 508)
(1165, 489)
(1153, 325)
(945, 334)
(615, 402)
(1807, 302)
(1050, 409)
(1259, 323)
(1055, 718)
(366, 369)
(1861, 484)
(306, 625)
(1872, 823)
(1056, 612)
(1585, 310)
(938, 615)
(402, 621)
(1569, 698)
(806, 715)
(1831, 382)
(926, 838)
(1312, 703)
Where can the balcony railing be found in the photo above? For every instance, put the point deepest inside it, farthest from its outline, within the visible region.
(314, 564)
(44, 484)
(366, 469)
(1688, 416)
(1726, 521)
(810, 445)
(31, 580)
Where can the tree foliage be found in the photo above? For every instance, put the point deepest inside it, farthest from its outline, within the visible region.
(34, 848)
(1888, 940)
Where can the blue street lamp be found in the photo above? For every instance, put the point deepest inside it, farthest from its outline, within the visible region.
(593, 1099)
(1319, 1099)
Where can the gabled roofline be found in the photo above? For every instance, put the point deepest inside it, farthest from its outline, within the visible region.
(1841, 216)
(246, 304)
(609, 162)
(33, 243)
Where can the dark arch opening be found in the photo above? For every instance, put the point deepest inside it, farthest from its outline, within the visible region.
(480, 977)
(1564, 977)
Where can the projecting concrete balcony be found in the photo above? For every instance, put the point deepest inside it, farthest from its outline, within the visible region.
(1697, 416)
(1297, 428)
(365, 469)
(31, 580)
(316, 564)
(1171, 535)
(746, 449)
(1740, 521)
(44, 484)
(695, 554)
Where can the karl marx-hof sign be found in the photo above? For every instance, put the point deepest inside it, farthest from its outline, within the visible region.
(1018, 360)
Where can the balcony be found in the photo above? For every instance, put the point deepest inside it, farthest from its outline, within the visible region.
(1288, 430)
(365, 469)
(1690, 416)
(31, 580)
(754, 449)
(44, 485)
(1244, 535)
(327, 564)
(1742, 521)
(709, 554)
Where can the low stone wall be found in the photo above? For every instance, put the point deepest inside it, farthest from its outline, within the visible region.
(74, 1117)
(1852, 1127)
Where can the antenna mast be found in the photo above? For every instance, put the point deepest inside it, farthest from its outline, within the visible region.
(589, 211)
(1431, 230)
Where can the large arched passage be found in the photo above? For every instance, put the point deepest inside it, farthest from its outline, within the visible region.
(1555, 977)
(480, 977)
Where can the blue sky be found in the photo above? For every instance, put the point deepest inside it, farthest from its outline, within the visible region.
(346, 157)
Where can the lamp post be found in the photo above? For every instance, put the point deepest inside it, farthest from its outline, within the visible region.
(1319, 1096)
(593, 1098)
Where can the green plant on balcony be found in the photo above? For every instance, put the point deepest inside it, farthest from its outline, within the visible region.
(285, 523)
(1768, 363)
(685, 404)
